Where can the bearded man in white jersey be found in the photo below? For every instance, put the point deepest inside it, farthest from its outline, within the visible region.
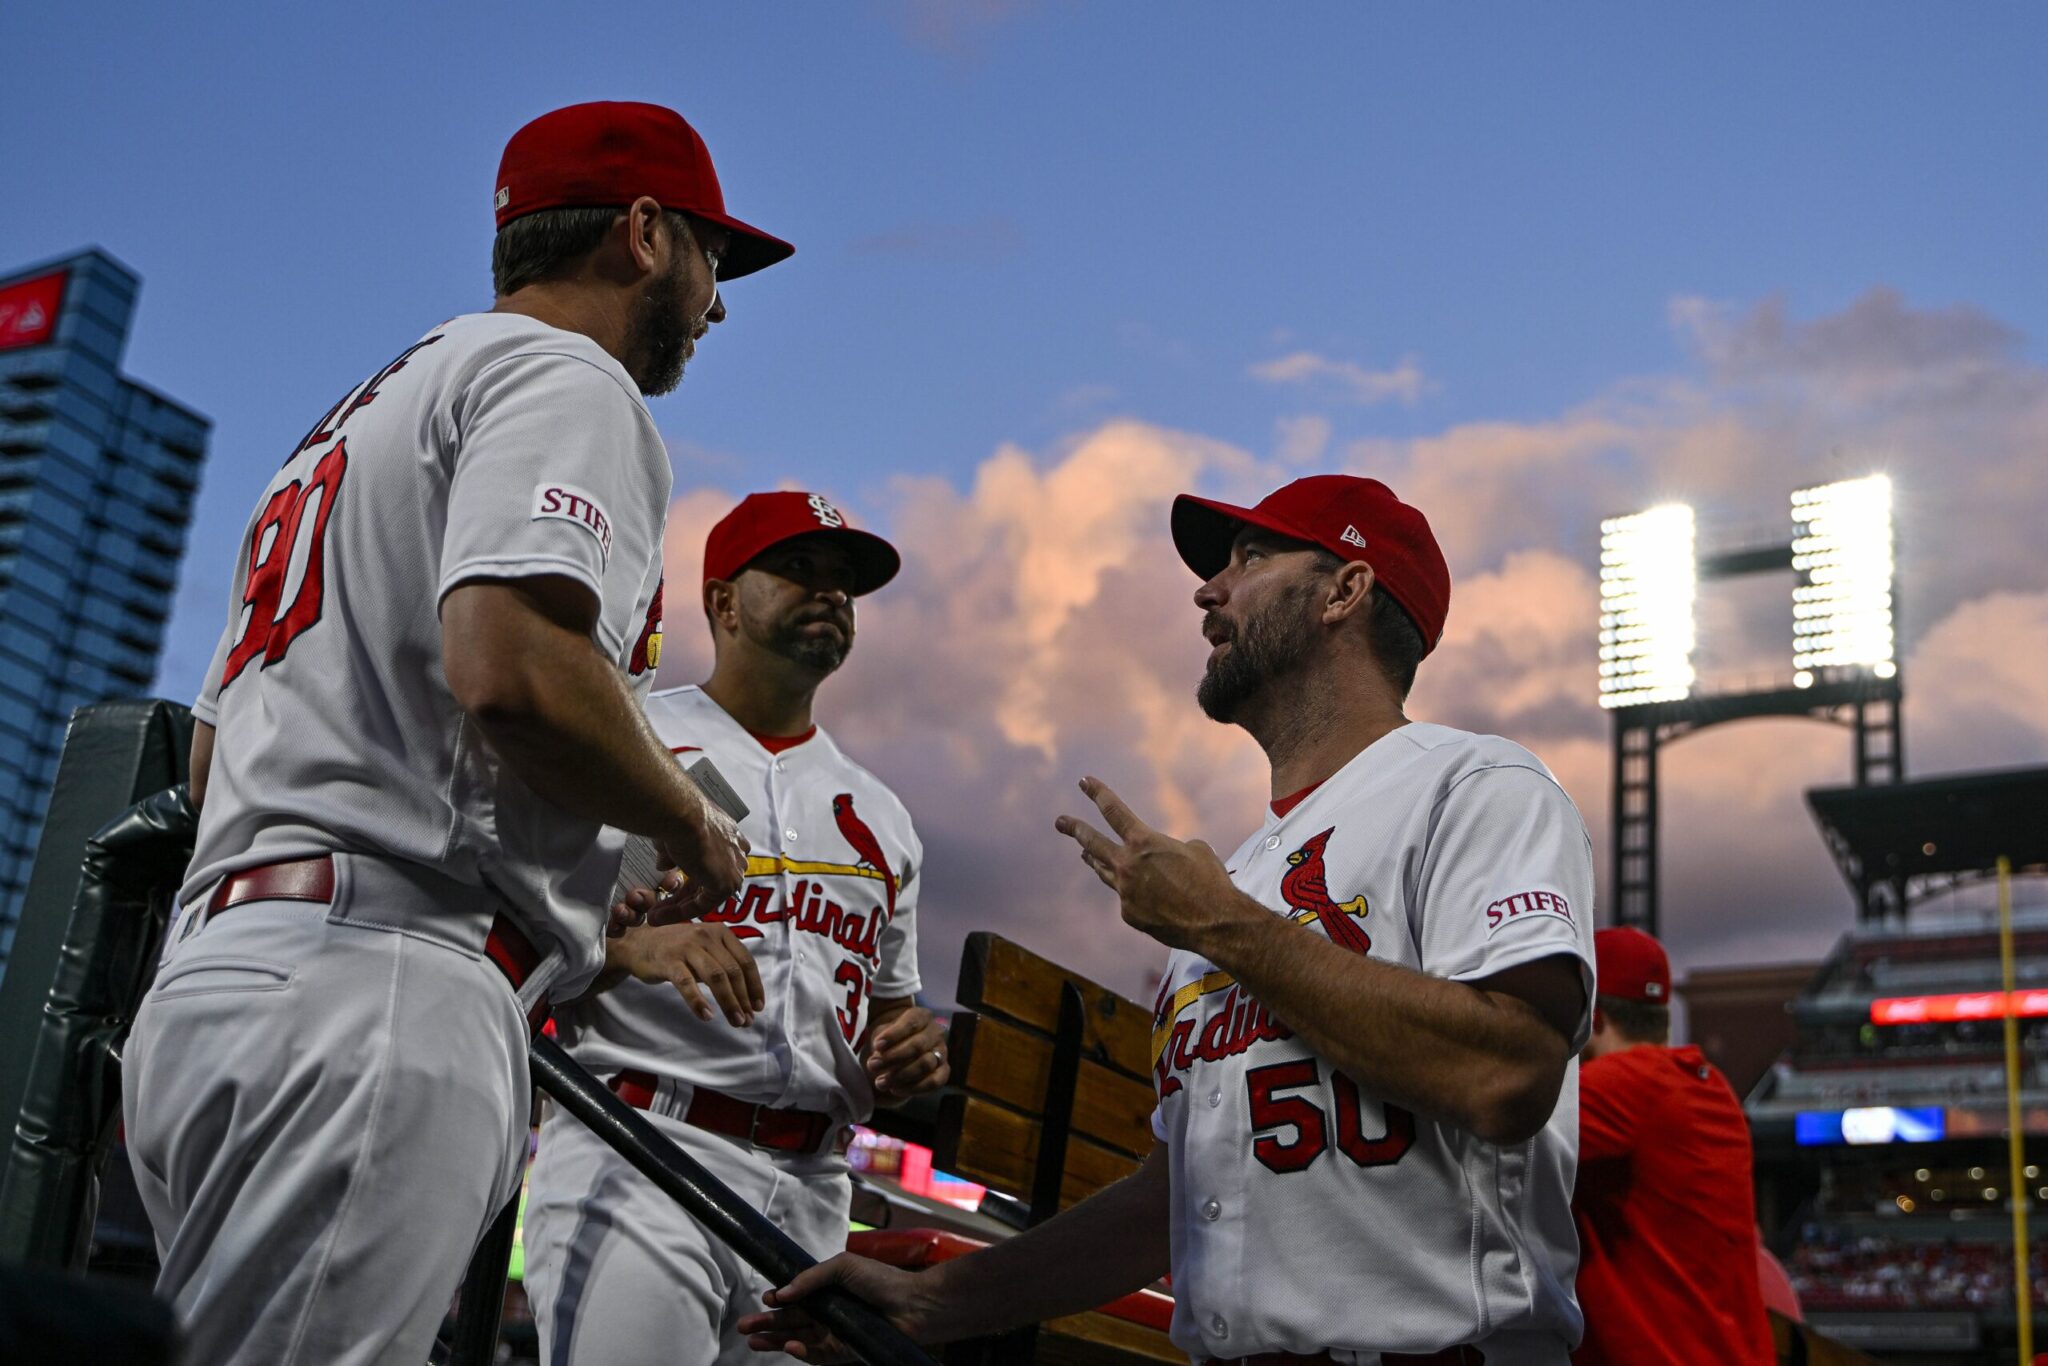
(419, 743)
(753, 1036)
(1364, 1042)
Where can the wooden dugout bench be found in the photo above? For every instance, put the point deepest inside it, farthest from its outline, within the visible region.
(1051, 1100)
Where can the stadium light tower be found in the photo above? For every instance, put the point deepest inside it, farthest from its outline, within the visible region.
(1649, 577)
(1842, 552)
(1844, 666)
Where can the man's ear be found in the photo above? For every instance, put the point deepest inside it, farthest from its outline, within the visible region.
(645, 227)
(722, 603)
(1350, 592)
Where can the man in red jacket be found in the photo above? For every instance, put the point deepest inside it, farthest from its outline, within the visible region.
(1664, 1206)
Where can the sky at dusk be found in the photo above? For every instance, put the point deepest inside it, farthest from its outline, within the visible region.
(1060, 261)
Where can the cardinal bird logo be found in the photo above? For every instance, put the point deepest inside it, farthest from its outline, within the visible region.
(647, 649)
(865, 844)
(1306, 888)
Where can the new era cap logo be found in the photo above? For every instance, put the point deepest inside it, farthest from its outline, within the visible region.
(504, 197)
(1351, 537)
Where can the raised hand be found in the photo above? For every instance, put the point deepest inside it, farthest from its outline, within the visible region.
(1173, 890)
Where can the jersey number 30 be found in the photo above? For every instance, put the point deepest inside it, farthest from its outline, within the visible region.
(269, 631)
(1313, 1130)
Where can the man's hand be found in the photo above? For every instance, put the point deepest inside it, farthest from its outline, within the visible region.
(905, 1298)
(1174, 890)
(906, 1054)
(712, 853)
(697, 959)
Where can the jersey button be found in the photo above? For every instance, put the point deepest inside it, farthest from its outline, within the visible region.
(789, 835)
(1212, 1210)
(1219, 1326)
(1215, 1098)
(1272, 841)
(778, 765)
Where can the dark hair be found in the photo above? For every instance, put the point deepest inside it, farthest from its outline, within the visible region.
(1636, 1021)
(1396, 641)
(549, 244)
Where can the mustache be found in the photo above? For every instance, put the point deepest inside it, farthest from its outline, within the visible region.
(840, 617)
(1217, 627)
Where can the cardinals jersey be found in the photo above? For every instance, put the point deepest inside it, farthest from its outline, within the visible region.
(495, 447)
(828, 911)
(1310, 1214)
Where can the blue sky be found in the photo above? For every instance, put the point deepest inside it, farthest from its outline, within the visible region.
(1017, 221)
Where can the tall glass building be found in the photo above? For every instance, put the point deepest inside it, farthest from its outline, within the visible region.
(97, 477)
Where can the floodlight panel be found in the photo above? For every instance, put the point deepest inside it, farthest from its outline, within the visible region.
(1649, 579)
(1842, 553)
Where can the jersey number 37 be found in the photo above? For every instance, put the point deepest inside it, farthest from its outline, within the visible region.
(272, 625)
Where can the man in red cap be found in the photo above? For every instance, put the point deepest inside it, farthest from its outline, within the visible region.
(1364, 1041)
(1665, 1209)
(418, 747)
(754, 1035)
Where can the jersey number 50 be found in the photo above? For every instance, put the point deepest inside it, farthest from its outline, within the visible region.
(272, 548)
(1270, 1110)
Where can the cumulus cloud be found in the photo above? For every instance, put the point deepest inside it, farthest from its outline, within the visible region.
(1404, 383)
(1043, 628)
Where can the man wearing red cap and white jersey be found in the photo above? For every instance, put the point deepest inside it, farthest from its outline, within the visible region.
(1364, 1042)
(1666, 1212)
(754, 1035)
(418, 745)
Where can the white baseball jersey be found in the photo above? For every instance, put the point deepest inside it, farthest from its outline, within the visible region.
(828, 912)
(495, 447)
(1309, 1214)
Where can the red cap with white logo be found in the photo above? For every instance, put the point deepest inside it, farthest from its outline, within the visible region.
(609, 153)
(763, 520)
(1353, 518)
(1631, 966)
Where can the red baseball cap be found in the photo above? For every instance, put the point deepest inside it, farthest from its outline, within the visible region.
(1358, 519)
(1630, 965)
(768, 519)
(610, 153)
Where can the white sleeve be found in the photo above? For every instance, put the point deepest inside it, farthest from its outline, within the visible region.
(206, 707)
(898, 976)
(1507, 878)
(549, 475)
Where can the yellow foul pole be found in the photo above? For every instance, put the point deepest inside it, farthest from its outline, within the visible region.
(2022, 1283)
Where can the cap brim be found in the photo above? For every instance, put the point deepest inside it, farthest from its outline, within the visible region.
(875, 561)
(750, 249)
(1203, 530)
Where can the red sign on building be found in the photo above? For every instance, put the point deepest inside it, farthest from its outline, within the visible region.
(28, 309)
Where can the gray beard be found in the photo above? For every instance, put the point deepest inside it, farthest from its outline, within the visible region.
(1268, 646)
(820, 654)
(663, 336)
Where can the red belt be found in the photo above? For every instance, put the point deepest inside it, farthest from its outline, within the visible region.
(793, 1131)
(1449, 1356)
(312, 879)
